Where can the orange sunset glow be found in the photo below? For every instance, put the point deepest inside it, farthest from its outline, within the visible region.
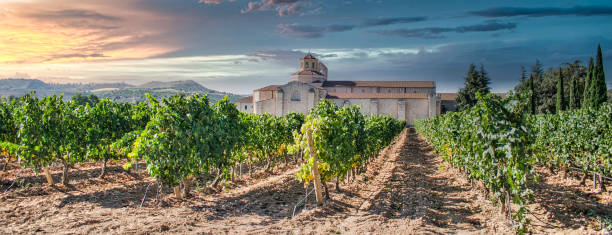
(70, 31)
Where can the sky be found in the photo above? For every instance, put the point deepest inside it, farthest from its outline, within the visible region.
(241, 45)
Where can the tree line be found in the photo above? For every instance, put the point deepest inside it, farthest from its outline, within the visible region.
(566, 87)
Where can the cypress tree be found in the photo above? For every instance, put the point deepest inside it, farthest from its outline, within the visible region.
(586, 93)
(531, 105)
(522, 86)
(598, 92)
(574, 99)
(560, 93)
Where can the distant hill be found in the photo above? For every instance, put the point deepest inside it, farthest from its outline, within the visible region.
(120, 92)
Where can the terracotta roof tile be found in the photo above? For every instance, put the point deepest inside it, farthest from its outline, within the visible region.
(307, 72)
(453, 96)
(248, 99)
(269, 88)
(448, 96)
(338, 95)
(412, 84)
(309, 56)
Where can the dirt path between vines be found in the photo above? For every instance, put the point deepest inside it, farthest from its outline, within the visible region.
(405, 190)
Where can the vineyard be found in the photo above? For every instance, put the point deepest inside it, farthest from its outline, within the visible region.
(498, 144)
(186, 165)
(181, 138)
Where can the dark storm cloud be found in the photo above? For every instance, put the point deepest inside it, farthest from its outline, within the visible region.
(392, 20)
(543, 11)
(310, 31)
(437, 32)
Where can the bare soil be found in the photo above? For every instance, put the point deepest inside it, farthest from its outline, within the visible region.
(406, 190)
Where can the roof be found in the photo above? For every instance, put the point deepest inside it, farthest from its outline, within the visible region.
(307, 72)
(269, 88)
(309, 56)
(412, 84)
(448, 96)
(338, 95)
(453, 96)
(502, 95)
(248, 99)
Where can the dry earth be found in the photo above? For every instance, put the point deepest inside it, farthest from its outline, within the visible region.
(406, 190)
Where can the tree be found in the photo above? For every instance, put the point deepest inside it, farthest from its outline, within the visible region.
(587, 84)
(574, 99)
(560, 105)
(475, 82)
(81, 99)
(598, 90)
(522, 86)
(532, 95)
(536, 78)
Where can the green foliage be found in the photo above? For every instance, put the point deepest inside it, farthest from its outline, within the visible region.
(343, 139)
(106, 123)
(177, 142)
(574, 99)
(81, 99)
(491, 143)
(598, 90)
(580, 138)
(560, 104)
(49, 130)
(475, 82)
(587, 84)
(8, 127)
(226, 130)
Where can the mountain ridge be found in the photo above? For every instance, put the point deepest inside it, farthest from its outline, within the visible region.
(121, 92)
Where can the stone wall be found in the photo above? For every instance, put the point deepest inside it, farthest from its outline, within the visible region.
(403, 109)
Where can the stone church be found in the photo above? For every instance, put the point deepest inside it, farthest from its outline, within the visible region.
(405, 100)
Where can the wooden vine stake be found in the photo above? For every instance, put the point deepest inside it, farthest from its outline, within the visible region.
(315, 170)
(48, 175)
(177, 192)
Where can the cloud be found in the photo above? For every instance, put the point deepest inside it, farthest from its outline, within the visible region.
(282, 7)
(437, 32)
(288, 58)
(47, 31)
(312, 31)
(543, 11)
(392, 20)
(309, 31)
(214, 1)
(76, 18)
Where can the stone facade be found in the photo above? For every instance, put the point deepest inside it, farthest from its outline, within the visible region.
(405, 100)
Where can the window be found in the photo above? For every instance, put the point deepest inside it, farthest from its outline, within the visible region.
(245, 107)
(295, 96)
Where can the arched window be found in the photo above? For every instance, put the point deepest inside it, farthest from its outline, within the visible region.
(346, 103)
(296, 96)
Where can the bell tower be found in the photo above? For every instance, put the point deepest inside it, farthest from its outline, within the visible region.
(311, 70)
